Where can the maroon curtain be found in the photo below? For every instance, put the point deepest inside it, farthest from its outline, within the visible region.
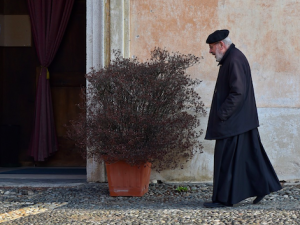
(49, 19)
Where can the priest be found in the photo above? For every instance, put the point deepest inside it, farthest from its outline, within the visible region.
(242, 168)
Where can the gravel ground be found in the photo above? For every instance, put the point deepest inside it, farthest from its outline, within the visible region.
(91, 204)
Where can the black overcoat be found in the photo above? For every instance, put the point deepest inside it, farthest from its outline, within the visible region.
(233, 109)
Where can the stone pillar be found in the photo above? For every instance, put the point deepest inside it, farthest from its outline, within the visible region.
(95, 59)
(120, 26)
(108, 28)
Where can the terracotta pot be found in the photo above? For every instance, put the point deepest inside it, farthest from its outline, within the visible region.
(126, 180)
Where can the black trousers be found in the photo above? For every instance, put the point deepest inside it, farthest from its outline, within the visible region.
(242, 169)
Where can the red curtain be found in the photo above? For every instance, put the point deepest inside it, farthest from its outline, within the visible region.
(49, 19)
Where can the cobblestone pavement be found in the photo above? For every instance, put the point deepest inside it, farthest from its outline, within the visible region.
(91, 204)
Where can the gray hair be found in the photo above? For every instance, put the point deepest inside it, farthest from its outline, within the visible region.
(227, 41)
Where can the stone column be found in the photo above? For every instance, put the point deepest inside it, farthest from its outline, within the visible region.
(95, 59)
(120, 26)
(108, 28)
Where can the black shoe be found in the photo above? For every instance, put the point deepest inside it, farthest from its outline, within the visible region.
(258, 199)
(214, 205)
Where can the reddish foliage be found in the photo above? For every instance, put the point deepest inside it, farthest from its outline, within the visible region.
(141, 111)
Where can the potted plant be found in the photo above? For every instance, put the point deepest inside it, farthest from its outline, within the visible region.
(138, 116)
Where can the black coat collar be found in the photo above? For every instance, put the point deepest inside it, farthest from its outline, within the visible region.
(232, 46)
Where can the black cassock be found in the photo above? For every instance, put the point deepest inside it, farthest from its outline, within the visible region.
(242, 168)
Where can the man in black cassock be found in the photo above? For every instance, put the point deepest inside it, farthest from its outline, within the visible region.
(242, 168)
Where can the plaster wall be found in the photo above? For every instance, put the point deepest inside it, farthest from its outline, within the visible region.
(266, 31)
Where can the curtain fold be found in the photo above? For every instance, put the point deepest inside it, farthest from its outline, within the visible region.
(49, 19)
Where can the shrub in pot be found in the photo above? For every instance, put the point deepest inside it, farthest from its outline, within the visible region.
(143, 114)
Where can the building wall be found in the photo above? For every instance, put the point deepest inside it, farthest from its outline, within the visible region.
(266, 31)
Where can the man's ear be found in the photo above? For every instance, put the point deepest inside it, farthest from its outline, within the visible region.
(222, 44)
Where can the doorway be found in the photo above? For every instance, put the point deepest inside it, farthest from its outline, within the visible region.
(19, 67)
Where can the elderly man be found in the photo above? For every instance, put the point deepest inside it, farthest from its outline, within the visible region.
(241, 166)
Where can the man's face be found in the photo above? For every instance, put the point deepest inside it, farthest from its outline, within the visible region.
(216, 50)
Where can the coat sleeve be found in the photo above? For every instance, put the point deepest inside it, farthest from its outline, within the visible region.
(237, 90)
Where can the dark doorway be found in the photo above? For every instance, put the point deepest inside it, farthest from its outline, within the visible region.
(19, 67)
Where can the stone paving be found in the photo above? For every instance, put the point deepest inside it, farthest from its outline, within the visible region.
(163, 204)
